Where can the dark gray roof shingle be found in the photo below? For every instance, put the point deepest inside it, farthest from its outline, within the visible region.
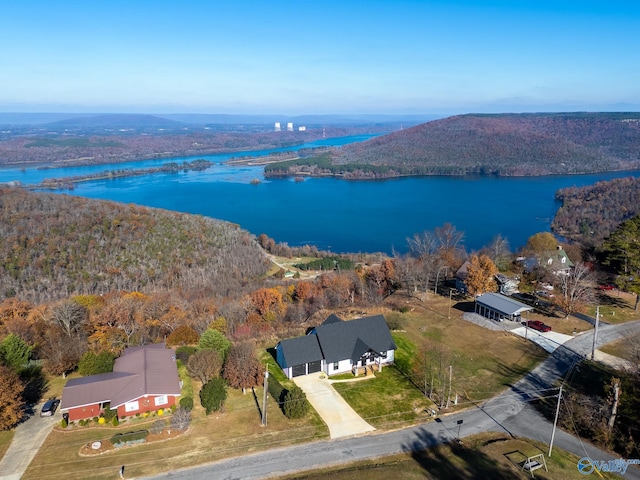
(300, 350)
(351, 339)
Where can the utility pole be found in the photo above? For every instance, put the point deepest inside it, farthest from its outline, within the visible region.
(264, 397)
(595, 334)
(555, 421)
(449, 312)
(450, 376)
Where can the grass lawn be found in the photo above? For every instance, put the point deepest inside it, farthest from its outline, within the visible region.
(5, 440)
(491, 455)
(627, 348)
(615, 307)
(386, 402)
(484, 362)
(233, 432)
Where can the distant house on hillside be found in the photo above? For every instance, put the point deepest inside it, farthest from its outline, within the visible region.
(461, 275)
(143, 379)
(556, 261)
(507, 285)
(338, 346)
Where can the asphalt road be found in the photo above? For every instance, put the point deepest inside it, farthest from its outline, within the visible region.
(509, 412)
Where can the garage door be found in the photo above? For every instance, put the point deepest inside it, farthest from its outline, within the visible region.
(298, 370)
(314, 366)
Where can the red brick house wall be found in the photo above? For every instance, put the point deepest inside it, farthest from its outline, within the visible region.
(80, 413)
(146, 405)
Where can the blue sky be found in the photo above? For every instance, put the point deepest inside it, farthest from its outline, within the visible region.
(279, 56)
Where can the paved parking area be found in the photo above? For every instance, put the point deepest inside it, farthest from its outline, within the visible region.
(341, 419)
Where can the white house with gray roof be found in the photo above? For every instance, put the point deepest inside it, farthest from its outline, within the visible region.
(338, 346)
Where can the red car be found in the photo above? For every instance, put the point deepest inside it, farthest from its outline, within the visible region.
(538, 325)
(607, 287)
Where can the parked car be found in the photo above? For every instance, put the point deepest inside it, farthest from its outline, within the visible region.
(608, 286)
(544, 294)
(538, 325)
(49, 408)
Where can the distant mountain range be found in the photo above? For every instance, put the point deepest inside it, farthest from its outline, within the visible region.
(497, 144)
(184, 119)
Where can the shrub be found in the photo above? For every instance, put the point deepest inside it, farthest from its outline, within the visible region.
(114, 421)
(129, 438)
(295, 403)
(95, 419)
(213, 394)
(181, 419)
(186, 403)
(64, 423)
(183, 353)
(101, 421)
(108, 413)
(160, 412)
(157, 427)
(276, 390)
(394, 321)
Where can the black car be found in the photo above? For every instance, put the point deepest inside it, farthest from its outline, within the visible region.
(49, 408)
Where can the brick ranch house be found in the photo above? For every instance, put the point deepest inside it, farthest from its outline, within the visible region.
(338, 346)
(144, 379)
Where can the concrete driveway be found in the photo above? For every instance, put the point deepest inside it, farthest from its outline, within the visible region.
(341, 419)
(28, 439)
(550, 341)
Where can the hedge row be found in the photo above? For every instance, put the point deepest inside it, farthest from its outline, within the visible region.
(129, 438)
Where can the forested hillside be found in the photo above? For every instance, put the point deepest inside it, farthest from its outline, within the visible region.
(54, 246)
(501, 144)
(589, 214)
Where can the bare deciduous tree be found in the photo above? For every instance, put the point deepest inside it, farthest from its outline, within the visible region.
(575, 289)
(205, 365)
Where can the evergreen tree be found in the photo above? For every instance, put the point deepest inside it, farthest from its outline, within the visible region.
(212, 339)
(94, 363)
(213, 394)
(622, 251)
(295, 403)
(14, 352)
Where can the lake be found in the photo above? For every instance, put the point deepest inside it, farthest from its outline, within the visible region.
(338, 215)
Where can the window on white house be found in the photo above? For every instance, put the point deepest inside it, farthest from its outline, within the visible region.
(161, 400)
(335, 365)
(131, 406)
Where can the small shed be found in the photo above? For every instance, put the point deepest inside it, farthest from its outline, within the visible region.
(500, 307)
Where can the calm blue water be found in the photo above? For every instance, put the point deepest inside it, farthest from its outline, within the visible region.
(343, 216)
